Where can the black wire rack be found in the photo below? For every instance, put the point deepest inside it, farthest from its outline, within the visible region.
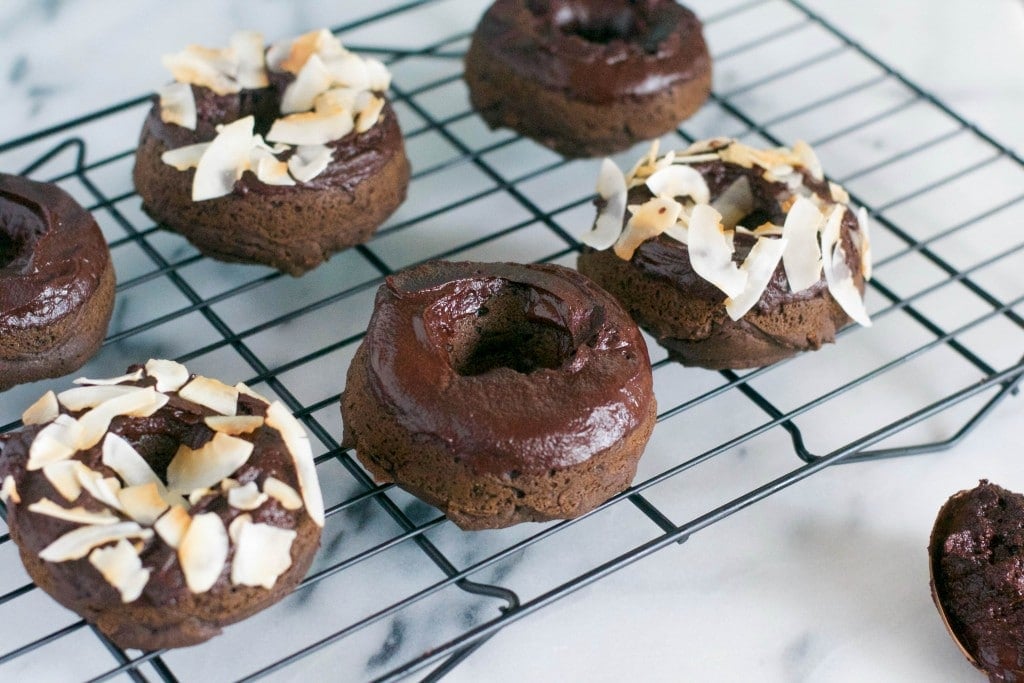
(946, 201)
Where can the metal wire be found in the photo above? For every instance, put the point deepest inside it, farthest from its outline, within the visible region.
(62, 154)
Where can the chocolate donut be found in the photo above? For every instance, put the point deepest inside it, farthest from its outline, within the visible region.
(588, 77)
(160, 505)
(500, 393)
(337, 168)
(56, 282)
(721, 258)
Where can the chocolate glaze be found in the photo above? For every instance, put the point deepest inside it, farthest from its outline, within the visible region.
(156, 438)
(503, 420)
(976, 553)
(356, 157)
(52, 255)
(595, 50)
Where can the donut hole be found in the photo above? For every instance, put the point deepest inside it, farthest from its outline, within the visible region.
(502, 332)
(10, 249)
(600, 23)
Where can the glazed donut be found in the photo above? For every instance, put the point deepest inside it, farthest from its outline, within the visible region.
(161, 505)
(721, 257)
(500, 393)
(56, 282)
(588, 77)
(333, 171)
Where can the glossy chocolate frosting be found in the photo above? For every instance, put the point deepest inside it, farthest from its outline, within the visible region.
(52, 255)
(585, 396)
(356, 156)
(596, 50)
(977, 554)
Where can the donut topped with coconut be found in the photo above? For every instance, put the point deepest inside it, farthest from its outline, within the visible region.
(731, 256)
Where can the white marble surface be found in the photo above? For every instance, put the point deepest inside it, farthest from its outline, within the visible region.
(823, 581)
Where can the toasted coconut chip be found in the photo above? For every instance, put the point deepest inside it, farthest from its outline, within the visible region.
(9, 491)
(309, 161)
(283, 493)
(78, 543)
(349, 71)
(121, 567)
(838, 193)
(291, 55)
(337, 99)
(191, 470)
(211, 393)
(64, 476)
(802, 258)
(81, 398)
(759, 266)
(709, 146)
(378, 74)
(184, 158)
(644, 166)
(236, 525)
(297, 441)
(103, 489)
(46, 409)
(79, 515)
(94, 424)
(262, 554)
(245, 389)
(273, 172)
(252, 67)
(649, 220)
(228, 483)
(311, 128)
(239, 424)
(54, 442)
(224, 161)
(313, 79)
(143, 503)
(866, 265)
(178, 105)
(246, 497)
(370, 115)
(172, 526)
(130, 377)
(735, 203)
(808, 159)
(695, 158)
(203, 551)
(711, 252)
(611, 187)
(169, 375)
(837, 273)
(679, 181)
(767, 230)
(213, 69)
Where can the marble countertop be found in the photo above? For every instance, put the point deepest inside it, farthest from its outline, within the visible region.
(825, 580)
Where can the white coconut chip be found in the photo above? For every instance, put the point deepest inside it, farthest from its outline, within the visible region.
(121, 567)
(78, 515)
(759, 266)
(709, 146)
(213, 69)
(54, 442)
(178, 105)
(211, 393)
(309, 161)
(649, 220)
(64, 476)
(44, 410)
(111, 381)
(9, 491)
(143, 503)
(103, 489)
(78, 543)
(350, 71)
(838, 193)
(232, 426)
(224, 160)
(378, 75)
(191, 470)
(283, 493)
(244, 389)
(644, 166)
(270, 171)
(249, 55)
(169, 375)
(837, 273)
(236, 525)
(172, 525)
(312, 128)
(203, 551)
(82, 398)
(802, 258)
(94, 424)
(808, 159)
(262, 554)
(297, 441)
(184, 158)
(735, 203)
(369, 115)
(711, 252)
(611, 187)
(247, 497)
(313, 79)
(337, 99)
(866, 264)
(121, 456)
(679, 181)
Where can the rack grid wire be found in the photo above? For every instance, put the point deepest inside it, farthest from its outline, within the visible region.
(946, 295)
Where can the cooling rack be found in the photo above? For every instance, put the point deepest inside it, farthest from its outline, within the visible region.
(945, 200)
